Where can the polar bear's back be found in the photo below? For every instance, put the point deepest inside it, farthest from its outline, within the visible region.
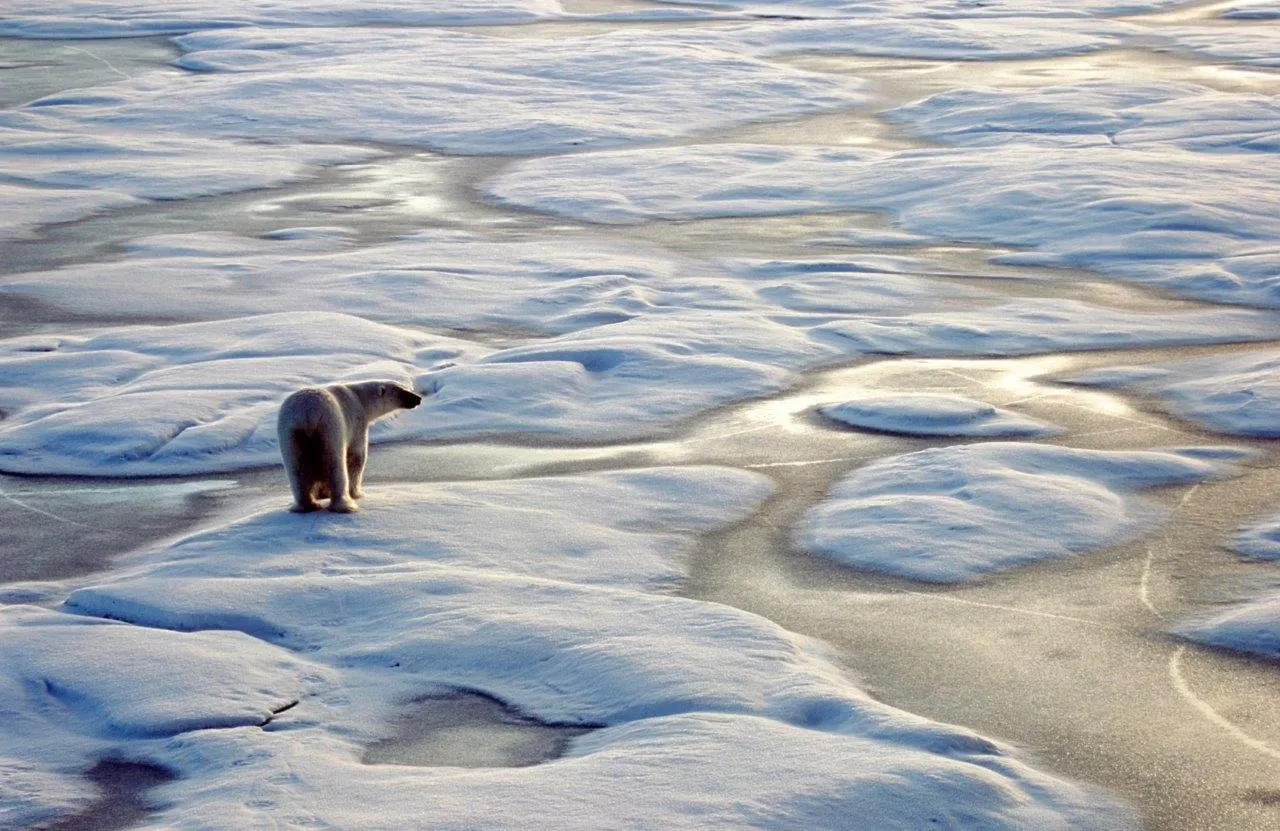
(309, 410)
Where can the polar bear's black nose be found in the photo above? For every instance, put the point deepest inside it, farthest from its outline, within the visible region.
(409, 400)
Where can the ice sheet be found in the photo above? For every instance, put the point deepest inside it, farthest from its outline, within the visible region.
(1253, 626)
(693, 693)
(924, 414)
(448, 90)
(1194, 222)
(1237, 394)
(955, 514)
(109, 18)
(54, 174)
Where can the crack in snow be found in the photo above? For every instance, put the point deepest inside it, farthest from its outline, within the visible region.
(1207, 711)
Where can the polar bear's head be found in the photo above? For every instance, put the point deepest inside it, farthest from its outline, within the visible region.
(382, 397)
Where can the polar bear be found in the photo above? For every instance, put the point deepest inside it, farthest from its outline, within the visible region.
(324, 439)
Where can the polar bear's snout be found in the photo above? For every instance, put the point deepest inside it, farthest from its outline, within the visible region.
(409, 399)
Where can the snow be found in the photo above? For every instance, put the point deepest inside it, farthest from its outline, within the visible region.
(702, 704)
(1253, 10)
(432, 279)
(179, 399)
(259, 655)
(1260, 540)
(924, 414)
(1237, 394)
(65, 707)
(201, 397)
(1254, 45)
(1127, 115)
(23, 209)
(610, 541)
(55, 174)
(109, 18)
(1161, 183)
(956, 514)
(922, 37)
(1249, 627)
(447, 90)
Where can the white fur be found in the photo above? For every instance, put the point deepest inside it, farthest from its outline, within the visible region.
(324, 439)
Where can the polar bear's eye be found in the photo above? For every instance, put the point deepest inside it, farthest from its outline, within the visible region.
(382, 389)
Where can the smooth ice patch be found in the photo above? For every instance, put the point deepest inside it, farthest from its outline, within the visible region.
(922, 414)
(955, 514)
(465, 729)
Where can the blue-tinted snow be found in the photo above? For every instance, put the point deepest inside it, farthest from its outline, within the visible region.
(955, 514)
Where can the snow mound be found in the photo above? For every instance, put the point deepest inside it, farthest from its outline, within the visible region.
(437, 279)
(955, 514)
(77, 689)
(35, 151)
(546, 619)
(145, 18)
(924, 414)
(1127, 115)
(627, 528)
(23, 209)
(1260, 540)
(1250, 627)
(454, 91)
(187, 398)
(1193, 221)
(1236, 394)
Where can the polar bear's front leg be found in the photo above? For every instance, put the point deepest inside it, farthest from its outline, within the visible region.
(339, 484)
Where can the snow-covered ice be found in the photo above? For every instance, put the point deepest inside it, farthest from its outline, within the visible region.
(1162, 183)
(55, 174)
(1260, 540)
(1237, 394)
(77, 689)
(258, 656)
(611, 541)
(1253, 626)
(110, 18)
(447, 90)
(925, 414)
(201, 397)
(955, 514)
(701, 703)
